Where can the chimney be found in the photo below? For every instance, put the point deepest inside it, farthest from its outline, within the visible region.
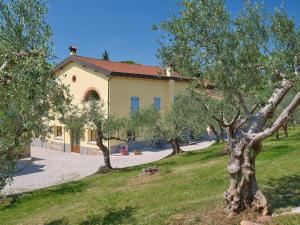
(169, 70)
(73, 50)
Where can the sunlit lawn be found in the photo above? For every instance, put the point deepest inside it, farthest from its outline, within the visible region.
(188, 190)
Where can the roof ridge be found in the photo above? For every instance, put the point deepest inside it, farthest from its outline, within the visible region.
(102, 60)
(112, 68)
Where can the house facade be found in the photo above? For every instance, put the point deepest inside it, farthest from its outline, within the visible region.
(122, 87)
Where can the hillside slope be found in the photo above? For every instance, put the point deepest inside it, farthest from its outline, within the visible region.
(188, 190)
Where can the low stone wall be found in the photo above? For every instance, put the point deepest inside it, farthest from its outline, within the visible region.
(55, 145)
(39, 143)
(25, 153)
(89, 151)
(133, 145)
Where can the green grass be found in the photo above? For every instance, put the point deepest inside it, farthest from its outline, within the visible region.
(188, 190)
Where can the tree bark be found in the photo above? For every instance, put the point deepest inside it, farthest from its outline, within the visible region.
(221, 133)
(104, 150)
(215, 133)
(277, 136)
(106, 156)
(243, 191)
(285, 129)
(175, 146)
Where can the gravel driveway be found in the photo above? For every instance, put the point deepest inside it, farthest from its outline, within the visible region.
(49, 167)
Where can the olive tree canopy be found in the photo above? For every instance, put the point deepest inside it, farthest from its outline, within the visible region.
(252, 58)
(29, 92)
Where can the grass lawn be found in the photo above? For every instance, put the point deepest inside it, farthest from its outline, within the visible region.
(188, 190)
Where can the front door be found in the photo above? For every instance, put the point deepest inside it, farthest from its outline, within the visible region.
(75, 141)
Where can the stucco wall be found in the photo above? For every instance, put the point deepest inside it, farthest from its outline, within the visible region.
(116, 93)
(122, 89)
(86, 79)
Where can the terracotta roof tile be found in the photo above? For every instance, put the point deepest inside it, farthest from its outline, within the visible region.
(122, 67)
(111, 68)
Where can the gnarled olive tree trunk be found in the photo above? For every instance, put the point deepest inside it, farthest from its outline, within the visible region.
(277, 137)
(175, 146)
(285, 129)
(104, 150)
(215, 133)
(243, 191)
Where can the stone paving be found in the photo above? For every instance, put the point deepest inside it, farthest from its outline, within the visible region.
(50, 167)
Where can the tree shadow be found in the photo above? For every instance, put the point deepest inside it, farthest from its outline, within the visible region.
(283, 192)
(113, 217)
(58, 222)
(28, 166)
(32, 168)
(207, 155)
(188, 154)
(67, 188)
(170, 162)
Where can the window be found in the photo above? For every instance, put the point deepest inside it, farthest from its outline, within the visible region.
(92, 135)
(130, 136)
(57, 131)
(157, 103)
(134, 104)
(92, 95)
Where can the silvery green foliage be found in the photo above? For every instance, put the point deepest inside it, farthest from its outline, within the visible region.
(251, 59)
(184, 113)
(111, 126)
(242, 54)
(28, 88)
(74, 119)
(294, 118)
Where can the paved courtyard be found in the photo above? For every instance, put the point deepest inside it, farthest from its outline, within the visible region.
(49, 167)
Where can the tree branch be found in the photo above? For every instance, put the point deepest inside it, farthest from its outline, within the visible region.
(243, 104)
(279, 121)
(18, 55)
(276, 98)
(16, 143)
(218, 120)
(244, 120)
(235, 118)
(254, 108)
(114, 138)
(4, 65)
(266, 112)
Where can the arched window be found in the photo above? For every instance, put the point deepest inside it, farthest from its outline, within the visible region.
(91, 95)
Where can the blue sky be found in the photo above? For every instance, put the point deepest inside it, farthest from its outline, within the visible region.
(122, 27)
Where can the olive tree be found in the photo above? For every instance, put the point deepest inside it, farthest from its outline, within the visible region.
(93, 115)
(28, 88)
(107, 127)
(252, 58)
(171, 125)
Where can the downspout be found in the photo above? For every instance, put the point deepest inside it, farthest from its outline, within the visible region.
(64, 140)
(108, 109)
(171, 85)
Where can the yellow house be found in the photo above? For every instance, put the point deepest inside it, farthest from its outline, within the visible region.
(123, 87)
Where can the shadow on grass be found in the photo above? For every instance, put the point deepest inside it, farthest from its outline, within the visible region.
(63, 189)
(112, 217)
(189, 154)
(283, 192)
(58, 222)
